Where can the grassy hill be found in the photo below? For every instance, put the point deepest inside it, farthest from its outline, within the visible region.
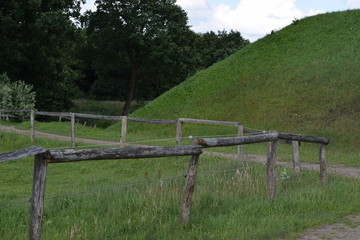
(304, 79)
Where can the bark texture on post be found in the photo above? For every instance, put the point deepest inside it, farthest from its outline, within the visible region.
(37, 198)
(123, 130)
(271, 170)
(179, 132)
(296, 157)
(189, 189)
(322, 160)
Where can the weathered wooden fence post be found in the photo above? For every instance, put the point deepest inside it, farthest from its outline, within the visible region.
(189, 189)
(32, 126)
(179, 124)
(73, 144)
(124, 120)
(322, 160)
(271, 170)
(37, 197)
(240, 150)
(296, 156)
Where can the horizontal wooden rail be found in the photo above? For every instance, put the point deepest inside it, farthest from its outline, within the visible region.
(301, 138)
(221, 142)
(71, 155)
(103, 117)
(190, 120)
(53, 114)
(21, 153)
(6, 110)
(6, 116)
(155, 121)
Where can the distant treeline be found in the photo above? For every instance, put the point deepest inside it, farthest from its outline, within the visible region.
(125, 50)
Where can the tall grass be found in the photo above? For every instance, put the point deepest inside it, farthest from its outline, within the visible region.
(228, 205)
(140, 199)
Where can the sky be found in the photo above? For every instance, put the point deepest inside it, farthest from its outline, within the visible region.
(252, 18)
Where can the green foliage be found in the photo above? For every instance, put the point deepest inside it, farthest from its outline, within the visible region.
(38, 46)
(212, 48)
(138, 43)
(16, 95)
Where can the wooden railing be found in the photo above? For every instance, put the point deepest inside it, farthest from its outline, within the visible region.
(44, 157)
(124, 121)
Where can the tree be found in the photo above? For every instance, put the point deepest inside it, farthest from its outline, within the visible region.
(139, 37)
(213, 47)
(38, 40)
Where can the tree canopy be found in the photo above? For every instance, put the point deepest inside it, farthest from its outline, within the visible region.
(38, 40)
(125, 50)
(141, 40)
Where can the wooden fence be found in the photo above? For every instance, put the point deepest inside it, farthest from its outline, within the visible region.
(124, 121)
(44, 157)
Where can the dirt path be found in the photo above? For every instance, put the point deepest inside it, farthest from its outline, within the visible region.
(337, 170)
(328, 232)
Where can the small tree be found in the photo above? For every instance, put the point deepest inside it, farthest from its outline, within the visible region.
(16, 95)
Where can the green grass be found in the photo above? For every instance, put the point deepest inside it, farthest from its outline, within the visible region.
(230, 205)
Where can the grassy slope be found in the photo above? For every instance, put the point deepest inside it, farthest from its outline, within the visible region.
(302, 79)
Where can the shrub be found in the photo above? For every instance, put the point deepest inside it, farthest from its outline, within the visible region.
(16, 95)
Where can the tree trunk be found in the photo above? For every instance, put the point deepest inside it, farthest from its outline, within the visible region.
(134, 61)
(130, 93)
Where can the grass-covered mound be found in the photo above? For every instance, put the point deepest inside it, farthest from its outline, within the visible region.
(304, 79)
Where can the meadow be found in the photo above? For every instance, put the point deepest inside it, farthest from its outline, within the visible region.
(140, 199)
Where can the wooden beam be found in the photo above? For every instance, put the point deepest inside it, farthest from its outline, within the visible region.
(220, 142)
(123, 130)
(53, 114)
(296, 156)
(322, 160)
(271, 170)
(21, 153)
(73, 155)
(32, 126)
(13, 111)
(73, 144)
(302, 138)
(103, 117)
(154, 121)
(179, 125)
(37, 197)
(189, 189)
(190, 120)
(240, 148)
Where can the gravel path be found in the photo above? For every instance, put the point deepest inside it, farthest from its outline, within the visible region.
(328, 232)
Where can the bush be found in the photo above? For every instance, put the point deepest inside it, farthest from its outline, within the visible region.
(16, 95)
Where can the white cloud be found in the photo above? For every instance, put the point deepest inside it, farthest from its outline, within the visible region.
(193, 4)
(252, 19)
(312, 12)
(353, 3)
